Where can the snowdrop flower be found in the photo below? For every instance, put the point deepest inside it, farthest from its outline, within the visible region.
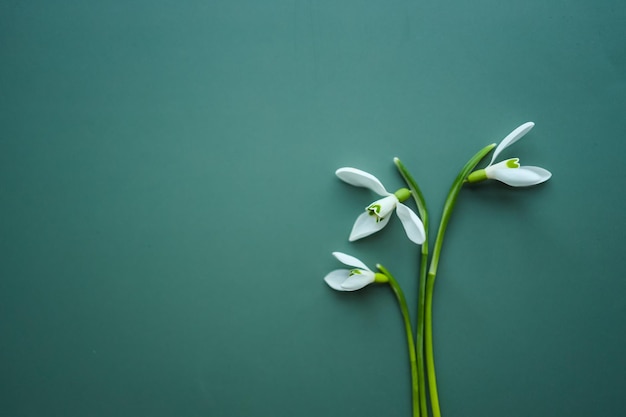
(377, 214)
(509, 171)
(352, 279)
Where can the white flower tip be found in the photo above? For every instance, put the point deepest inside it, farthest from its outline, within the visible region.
(542, 174)
(548, 175)
(378, 266)
(396, 159)
(335, 278)
(417, 240)
(330, 282)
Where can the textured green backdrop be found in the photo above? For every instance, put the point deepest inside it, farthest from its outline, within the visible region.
(168, 205)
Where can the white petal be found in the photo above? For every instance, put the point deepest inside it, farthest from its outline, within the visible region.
(412, 224)
(521, 177)
(511, 138)
(360, 178)
(543, 173)
(365, 225)
(384, 207)
(350, 260)
(358, 281)
(335, 278)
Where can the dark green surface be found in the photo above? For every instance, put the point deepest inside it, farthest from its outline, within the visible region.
(168, 206)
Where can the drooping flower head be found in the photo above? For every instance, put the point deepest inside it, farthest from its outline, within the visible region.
(377, 214)
(510, 171)
(352, 279)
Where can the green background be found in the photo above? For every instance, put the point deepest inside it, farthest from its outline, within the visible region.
(168, 205)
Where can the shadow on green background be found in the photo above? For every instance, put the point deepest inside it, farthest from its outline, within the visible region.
(168, 206)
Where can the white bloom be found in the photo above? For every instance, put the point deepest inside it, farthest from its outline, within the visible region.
(352, 279)
(509, 171)
(377, 214)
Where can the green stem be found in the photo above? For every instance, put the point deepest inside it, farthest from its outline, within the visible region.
(421, 293)
(409, 337)
(432, 273)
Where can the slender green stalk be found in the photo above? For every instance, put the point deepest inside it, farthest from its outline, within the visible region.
(432, 273)
(409, 338)
(421, 293)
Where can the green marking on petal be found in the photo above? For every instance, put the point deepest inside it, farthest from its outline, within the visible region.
(355, 272)
(374, 210)
(383, 207)
(512, 163)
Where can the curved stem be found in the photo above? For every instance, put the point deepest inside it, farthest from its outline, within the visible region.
(432, 273)
(409, 337)
(421, 294)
